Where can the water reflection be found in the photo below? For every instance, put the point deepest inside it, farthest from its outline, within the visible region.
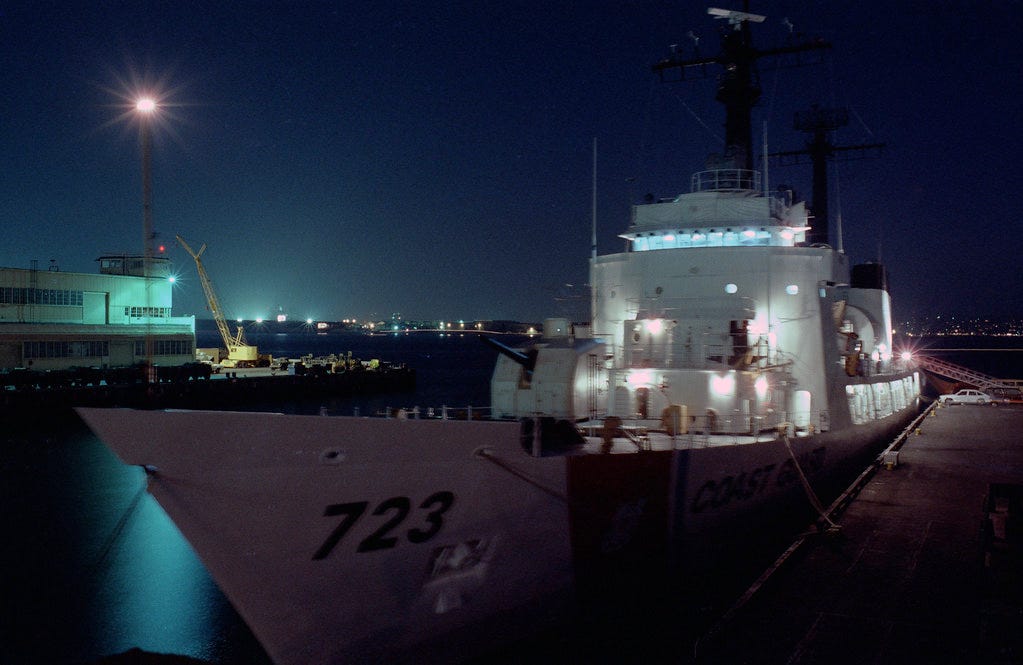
(97, 567)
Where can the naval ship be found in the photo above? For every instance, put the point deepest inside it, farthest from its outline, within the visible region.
(733, 361)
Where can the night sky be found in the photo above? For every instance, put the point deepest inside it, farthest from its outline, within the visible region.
(434, 159)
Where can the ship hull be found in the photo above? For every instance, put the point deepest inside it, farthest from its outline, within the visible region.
(358, 539)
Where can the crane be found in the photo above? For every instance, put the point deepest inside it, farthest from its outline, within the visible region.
(239, 353)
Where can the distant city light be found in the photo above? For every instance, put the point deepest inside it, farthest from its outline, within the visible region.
(146, 105)
(309, 321)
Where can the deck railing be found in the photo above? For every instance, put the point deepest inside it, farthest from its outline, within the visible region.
(725, 180)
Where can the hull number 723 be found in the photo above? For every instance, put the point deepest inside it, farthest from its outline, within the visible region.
(387, 534)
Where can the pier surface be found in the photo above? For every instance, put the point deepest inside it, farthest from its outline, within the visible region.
(926, 565)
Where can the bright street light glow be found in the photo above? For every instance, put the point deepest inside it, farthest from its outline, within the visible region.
(146, 105)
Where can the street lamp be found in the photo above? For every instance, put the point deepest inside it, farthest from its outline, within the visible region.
(146, 107)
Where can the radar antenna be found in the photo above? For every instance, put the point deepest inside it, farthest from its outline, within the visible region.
(735, 19)
(739, 82)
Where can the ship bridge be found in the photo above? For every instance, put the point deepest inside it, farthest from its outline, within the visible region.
(725, 208)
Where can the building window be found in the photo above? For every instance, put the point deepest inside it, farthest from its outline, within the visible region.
(76, 349)
(165, 347)
(13, 295)
(147, 312)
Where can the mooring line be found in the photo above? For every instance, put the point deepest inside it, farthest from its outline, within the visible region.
(814, 501)
(485, 454)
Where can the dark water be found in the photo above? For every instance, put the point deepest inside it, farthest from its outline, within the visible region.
(91, 566)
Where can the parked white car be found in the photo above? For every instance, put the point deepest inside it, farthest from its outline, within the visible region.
(966, 396)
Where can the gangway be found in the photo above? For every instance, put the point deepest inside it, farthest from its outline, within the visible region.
(964, 374)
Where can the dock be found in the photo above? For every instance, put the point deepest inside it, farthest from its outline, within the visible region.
(924, 565)
(229, 389)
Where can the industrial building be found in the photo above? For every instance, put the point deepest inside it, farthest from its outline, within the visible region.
(119, 317)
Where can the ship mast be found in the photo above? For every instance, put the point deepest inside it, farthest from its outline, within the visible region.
(820, 122)
(739, 82)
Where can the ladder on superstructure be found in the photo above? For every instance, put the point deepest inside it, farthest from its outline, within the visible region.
(960, 373)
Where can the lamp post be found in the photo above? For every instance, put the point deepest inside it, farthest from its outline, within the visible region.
(145, 107)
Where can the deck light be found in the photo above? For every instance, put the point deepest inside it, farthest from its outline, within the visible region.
(640, 378)
(722, 385)
(760, 387)
(757, 326)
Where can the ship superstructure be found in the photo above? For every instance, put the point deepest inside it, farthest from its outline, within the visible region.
(723, 315)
